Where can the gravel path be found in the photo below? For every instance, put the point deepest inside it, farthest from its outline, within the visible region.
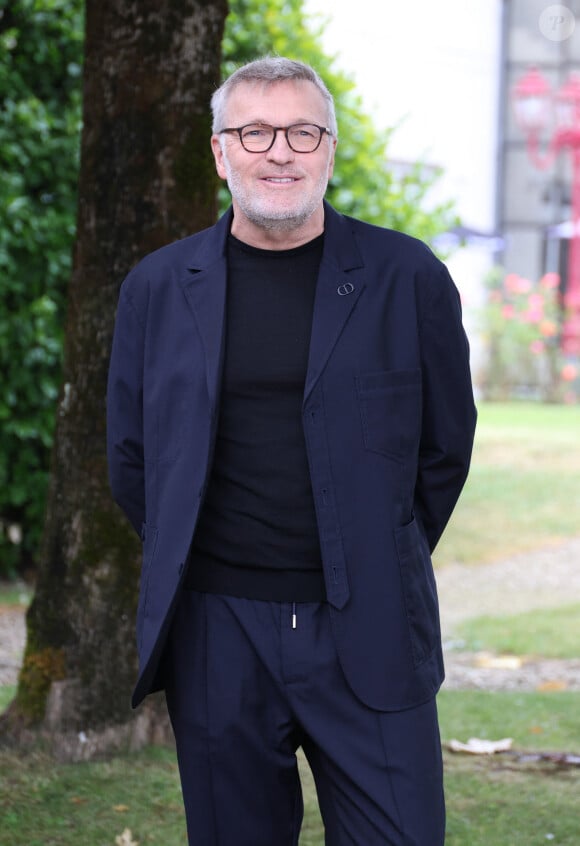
(545, 578)
(12, 635)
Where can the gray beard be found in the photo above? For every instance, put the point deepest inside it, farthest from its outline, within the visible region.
(283, 222)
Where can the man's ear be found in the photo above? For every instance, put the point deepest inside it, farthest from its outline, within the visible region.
(218, 155)
(331, 160)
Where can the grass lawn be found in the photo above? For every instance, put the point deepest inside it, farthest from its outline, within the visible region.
(14, 594)
(7, 692)
(492, 802)
(498, 801)
(524, 487)
(550, 633)
(535, 721)
(44, 804)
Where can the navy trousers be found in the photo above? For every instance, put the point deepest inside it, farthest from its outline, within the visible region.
(249, 682)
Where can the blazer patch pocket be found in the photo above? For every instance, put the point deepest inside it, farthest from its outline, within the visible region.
(390, 410)
(419, 591)
(149, 539)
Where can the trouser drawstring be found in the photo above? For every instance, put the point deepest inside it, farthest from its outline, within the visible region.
(293, 615)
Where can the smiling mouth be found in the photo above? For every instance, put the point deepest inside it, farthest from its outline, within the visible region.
(280, 180)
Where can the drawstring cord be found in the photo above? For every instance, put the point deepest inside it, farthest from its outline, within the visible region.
(293, 615)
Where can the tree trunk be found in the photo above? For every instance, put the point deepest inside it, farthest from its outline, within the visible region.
(147, 178)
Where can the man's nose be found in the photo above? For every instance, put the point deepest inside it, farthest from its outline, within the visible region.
(280, 151)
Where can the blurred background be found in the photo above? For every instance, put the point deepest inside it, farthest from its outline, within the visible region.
(460, 124)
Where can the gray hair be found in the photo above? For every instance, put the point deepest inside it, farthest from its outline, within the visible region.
(269, 70)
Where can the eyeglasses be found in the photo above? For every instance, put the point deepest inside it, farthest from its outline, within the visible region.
(260, 137)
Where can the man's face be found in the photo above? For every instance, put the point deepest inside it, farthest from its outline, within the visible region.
(278, 191)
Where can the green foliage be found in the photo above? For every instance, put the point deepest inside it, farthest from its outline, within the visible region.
(40, 56)
(364, 184)
(41, 45)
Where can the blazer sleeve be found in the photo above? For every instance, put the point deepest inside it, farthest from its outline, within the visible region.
(125, 413)
(448, 414)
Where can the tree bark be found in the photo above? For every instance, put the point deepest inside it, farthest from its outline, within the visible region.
(147, 178)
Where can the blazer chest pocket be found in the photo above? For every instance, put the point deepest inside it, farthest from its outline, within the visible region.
(390, 410)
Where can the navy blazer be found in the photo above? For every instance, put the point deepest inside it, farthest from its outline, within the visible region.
(388, 418)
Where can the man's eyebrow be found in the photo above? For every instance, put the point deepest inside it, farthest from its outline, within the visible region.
(292, 122)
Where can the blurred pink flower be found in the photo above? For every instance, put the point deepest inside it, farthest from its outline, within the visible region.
(495, 297)
(512, 283)
(535, 310)
(507, 311)
(548, 328)
(568, 373)
(537, 347)
(517, 284)
(550, 280)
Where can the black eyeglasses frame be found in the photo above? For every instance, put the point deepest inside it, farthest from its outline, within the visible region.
(285, 129)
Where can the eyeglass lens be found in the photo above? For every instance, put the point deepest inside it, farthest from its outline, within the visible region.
(302, 137)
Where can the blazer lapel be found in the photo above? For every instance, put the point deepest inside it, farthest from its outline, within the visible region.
(340, 284)
(204, 288)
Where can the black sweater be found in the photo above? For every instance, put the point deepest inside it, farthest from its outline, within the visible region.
(257, 535)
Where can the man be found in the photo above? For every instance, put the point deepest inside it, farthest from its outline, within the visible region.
(290, 426)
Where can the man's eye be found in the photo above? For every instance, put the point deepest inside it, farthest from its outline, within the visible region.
(256, 132)
(303, 132)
